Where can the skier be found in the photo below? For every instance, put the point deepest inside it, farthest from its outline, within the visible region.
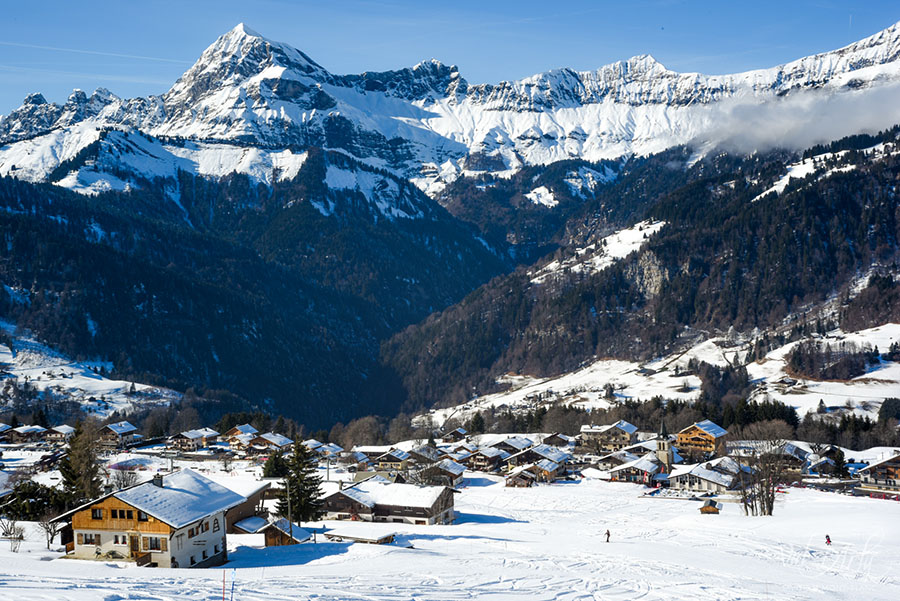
(827, 540)
(607, 536)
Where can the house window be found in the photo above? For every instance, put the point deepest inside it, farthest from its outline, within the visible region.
(204, 554)
(91, 539)
(142, 517)
(191, 533)
(129, 513)
(216, 525)
(216, 549)
(96, 514)
(114, 514)
(179, 541)
(206, 526)
(151, 543)
(120, 539)
(193, 561)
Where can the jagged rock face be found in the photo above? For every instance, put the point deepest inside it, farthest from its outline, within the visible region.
(428, 124)
(647, 274)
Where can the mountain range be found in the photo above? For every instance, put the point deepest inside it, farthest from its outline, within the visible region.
(270, 228)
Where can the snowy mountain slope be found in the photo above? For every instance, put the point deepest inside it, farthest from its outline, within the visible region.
(427, 123)
(669, 377)
(56, 378)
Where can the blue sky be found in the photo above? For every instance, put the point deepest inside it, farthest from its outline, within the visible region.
(136, 48)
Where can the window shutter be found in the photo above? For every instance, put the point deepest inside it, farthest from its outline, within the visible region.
(97, 540)
(80, 538)
(164, 544)
(145, 543)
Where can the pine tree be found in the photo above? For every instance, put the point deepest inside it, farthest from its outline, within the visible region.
(275, 466)
(302, 485)
(80, 469)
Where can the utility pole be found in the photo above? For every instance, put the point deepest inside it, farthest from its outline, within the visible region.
(287, 489)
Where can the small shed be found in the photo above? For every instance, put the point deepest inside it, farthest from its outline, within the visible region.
(282, 532)
(711, 507)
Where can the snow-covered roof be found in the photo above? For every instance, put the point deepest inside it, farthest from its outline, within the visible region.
(121, 428)
(312, 444)
(244, 439)
(371, 492)
(293, 530)
(330, 449)
(564, 437)
(517, 442)
(428, 452)
(621, 456)
(648, 463)
(207, 432)
(492, 452)
(524, 470)
(547, 465)
(30, 429)
(245, 429)
(191, 435)
(252, 524)
(722, 471)
(395, 454)
(627, 427)
(652, 445)
(276, 439)
(880, 461)
(5, 427)
(711, 428)
(549, 452)
(448, 465)
(63, 429)
(183, 498)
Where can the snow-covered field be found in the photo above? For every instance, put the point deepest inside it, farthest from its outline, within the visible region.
(541, 543)
(57, 377)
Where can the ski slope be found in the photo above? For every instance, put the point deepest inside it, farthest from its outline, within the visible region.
(544, 543)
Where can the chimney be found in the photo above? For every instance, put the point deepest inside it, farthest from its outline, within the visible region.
(158, 480)
(340, 485)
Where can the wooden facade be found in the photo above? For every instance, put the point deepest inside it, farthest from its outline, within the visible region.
(881, 476)
(701, 442)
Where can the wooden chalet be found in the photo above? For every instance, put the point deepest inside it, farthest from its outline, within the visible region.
(241, 430)
(118, 435)
(4, 430)
(282, 532)
(607, 462)
(520, 477)
(642, 470)
(881, 478)
(513, 444)
(177, 520)
(538, 453)
(558, 439)
(60, 434)
(487, 459)
(424, 455)
(23, 434)
(455, 435)
(717, 476)
(450, 471)
(190, 440)
(701, 440)
(379, 501)
(270, 441)
(395, 459)
(609, 438)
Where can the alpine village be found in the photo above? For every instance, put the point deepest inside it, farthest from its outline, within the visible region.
(613, 334)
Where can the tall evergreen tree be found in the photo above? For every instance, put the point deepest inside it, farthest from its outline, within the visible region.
(302, 484)
(80, 469)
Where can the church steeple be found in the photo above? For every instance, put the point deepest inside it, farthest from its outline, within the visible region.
(664, 447)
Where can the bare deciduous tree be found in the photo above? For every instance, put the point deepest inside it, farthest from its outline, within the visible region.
(49, 527)
(764, 444)
(123, 478)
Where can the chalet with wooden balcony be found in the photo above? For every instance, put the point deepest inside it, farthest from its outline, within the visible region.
(610, 437)
(177, 520)
(60, 433)
(377, 501)
(118, 435)
(487, 459)
(393, 460)
(513, 444)
(24, 434)
(702, 440)
(455, 435)
(881, 478)
(243, 430)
